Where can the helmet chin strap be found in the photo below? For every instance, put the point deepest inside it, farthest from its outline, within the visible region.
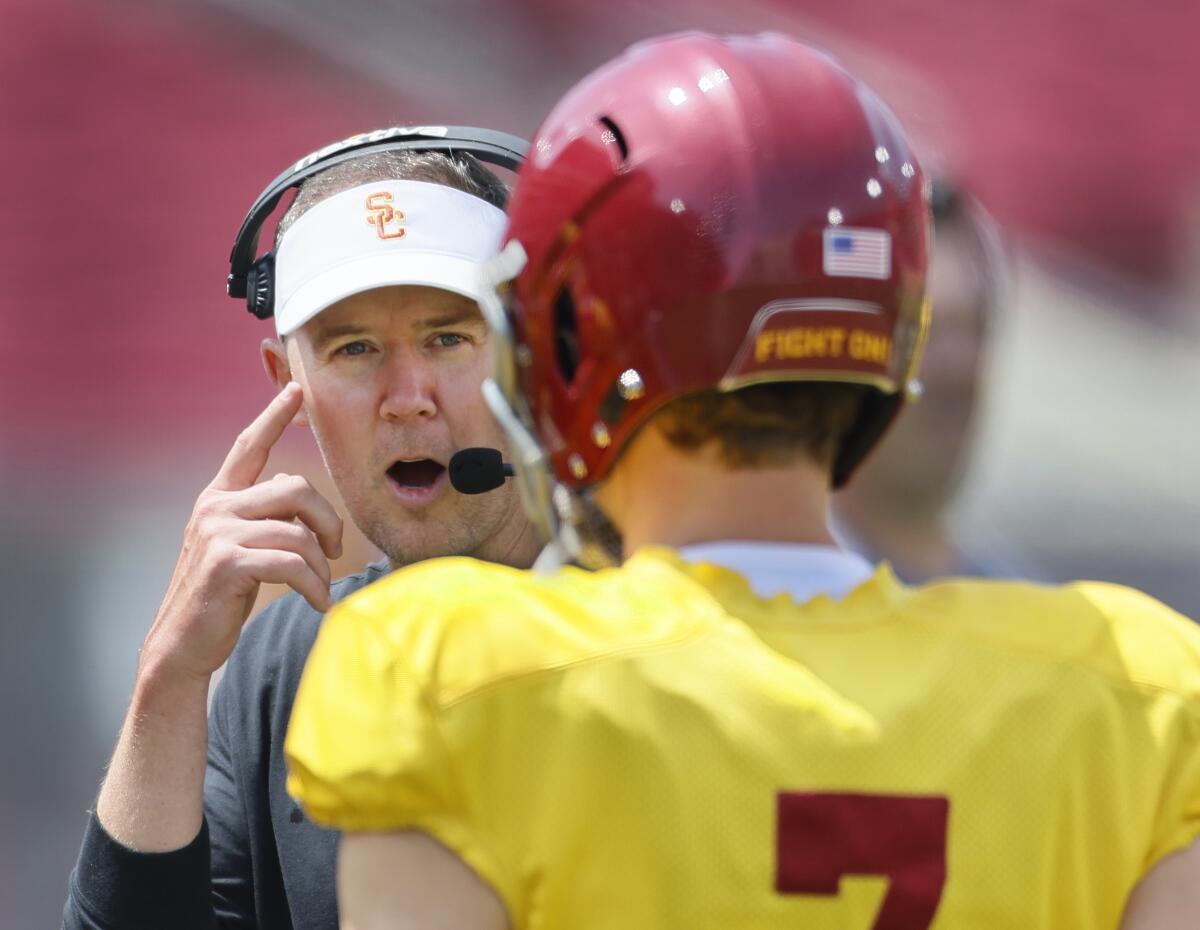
(585, 529)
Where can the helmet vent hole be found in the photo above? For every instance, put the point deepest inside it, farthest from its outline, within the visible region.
(618, 137)
(566, 335)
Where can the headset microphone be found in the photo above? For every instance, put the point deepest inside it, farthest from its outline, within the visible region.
(478, 470)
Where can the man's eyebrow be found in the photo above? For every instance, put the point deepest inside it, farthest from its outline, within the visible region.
(455, 317)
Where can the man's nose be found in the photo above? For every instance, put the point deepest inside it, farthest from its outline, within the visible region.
(408, 388)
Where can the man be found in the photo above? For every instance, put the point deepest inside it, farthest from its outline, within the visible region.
(896, 506)
(381, 352)
(712, 304)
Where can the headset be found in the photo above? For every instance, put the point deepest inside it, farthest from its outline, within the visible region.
(254, 279)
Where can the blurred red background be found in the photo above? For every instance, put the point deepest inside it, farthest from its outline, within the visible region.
(136, 134)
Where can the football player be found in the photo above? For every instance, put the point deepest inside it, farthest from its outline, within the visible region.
(710, 306)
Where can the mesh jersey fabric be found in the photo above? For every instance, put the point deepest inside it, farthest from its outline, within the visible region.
(656, 746)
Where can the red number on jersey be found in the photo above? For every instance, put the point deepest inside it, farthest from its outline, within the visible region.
(821, 837)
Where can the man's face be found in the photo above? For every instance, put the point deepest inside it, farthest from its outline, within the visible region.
(391, 383)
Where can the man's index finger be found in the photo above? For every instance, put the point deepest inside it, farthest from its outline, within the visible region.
(250, 451)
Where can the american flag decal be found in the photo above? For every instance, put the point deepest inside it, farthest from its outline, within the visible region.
(857, 253)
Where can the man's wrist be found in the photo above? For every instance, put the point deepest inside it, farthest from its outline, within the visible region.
(162, 681)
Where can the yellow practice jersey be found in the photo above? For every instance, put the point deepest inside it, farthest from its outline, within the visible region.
(656, 747)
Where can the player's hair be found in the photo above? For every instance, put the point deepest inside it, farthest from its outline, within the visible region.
(766, 424)
(459, 170)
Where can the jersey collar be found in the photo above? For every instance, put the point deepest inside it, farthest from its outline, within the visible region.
(851, 594)
(799, 570)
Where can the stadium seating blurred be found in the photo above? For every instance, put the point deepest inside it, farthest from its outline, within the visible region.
(135, 134)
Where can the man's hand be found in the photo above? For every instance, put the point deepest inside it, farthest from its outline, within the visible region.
(242, 534)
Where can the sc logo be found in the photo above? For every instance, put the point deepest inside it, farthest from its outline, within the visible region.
(381, 214)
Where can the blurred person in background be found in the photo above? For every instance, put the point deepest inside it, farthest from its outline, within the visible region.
(381, 351)
(895, 508)
(744, 725)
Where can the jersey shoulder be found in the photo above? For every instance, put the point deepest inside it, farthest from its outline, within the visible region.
(1119, 632)
(464, 624)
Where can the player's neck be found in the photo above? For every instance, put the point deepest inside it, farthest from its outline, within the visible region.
(659, 495)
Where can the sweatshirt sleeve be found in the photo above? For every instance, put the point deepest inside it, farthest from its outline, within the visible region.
(116, 888)
(205, 885)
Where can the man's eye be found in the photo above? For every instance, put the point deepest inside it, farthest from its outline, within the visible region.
(353, 348)
(448, 340)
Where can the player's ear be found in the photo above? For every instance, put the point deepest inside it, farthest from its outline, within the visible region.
(279, 370)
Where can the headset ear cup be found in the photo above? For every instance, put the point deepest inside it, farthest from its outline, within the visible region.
(260, 287)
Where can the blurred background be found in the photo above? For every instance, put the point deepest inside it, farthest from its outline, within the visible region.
(134, 135)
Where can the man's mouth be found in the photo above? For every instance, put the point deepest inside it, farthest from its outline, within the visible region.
(420, 473)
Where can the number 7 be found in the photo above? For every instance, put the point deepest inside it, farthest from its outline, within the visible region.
(822, 836)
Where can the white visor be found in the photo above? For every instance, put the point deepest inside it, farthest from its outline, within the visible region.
(380, 234)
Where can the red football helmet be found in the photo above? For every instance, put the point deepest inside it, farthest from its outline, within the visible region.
(705, 212)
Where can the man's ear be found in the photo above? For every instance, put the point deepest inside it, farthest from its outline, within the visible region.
(279, 370)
